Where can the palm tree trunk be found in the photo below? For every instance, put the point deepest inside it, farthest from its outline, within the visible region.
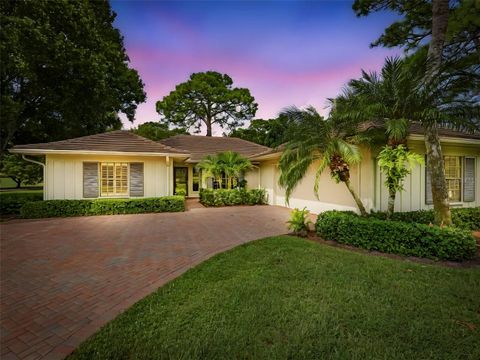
(391, 203)
(359, 203)
(436, 166)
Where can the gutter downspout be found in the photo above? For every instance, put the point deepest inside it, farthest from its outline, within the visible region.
(44, 173)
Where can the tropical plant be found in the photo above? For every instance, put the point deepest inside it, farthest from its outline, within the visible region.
(211, 167)
(445, 34)
(228, 163)
(396, 162)
(314, 139)
(299, 221)
(233, 165)
(390, 101)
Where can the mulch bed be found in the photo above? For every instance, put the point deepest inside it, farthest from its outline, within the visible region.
(475, 262)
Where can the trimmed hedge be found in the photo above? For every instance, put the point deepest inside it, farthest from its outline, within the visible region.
(410, 239)
(64, 208)
(12, 201)
(463, 218)
(223, 197)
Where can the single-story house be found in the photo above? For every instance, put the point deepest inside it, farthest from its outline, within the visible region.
(122, 164)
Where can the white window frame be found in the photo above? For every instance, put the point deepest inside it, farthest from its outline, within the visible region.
(461, 160)
(115, 193)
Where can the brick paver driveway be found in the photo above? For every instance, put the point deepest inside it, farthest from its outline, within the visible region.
(61, 279)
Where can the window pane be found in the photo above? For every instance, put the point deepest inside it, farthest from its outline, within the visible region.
(114, 179)
(453, 177)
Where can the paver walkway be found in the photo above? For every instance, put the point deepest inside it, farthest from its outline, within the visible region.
(62, 279)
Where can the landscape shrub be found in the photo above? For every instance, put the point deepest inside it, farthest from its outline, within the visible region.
(410, 239)
(224, 197)
(64, 208)
(299, 221)
(12, 202)
(463, 218)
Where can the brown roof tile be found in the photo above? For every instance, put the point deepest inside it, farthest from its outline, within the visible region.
(416, 128)
(200, 146)
(116, 141)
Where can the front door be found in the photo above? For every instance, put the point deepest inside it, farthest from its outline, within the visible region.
(180, 179)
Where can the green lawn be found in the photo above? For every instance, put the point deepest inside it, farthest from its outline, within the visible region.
(285, 297)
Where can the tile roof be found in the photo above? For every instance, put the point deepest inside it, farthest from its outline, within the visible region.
(416, 128)
(113, 141)
(200, 146)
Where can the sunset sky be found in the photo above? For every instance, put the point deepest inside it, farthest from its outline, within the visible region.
(286, 52)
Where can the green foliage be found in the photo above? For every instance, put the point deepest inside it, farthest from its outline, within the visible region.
(462, 218)
(457, 82)
(230, 163)
(65, 208)
(64, 71)
(271, 133)
(409, 239)
(396, 162)
(223, 197)
(12, 201)
(157, 131)
(299, 221)
(207, 98)
(20, 171)
(314, 139)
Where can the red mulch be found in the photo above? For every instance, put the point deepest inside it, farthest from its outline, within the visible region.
(475, 262)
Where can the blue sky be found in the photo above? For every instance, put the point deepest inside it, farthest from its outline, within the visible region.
(286, 52)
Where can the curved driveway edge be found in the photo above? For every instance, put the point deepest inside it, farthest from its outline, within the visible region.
(62, 279)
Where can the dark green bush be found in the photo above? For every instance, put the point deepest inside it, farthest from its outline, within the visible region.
(410, 239)
(223, 197)
(463, 218)
(63, 208)
(12, 201)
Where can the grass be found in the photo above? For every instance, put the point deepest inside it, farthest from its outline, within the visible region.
(285, 297)
(7, 183)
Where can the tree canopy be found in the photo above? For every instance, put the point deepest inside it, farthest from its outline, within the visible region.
(271, 133)
(65, 72)
(207, 98)
(157, 131)
(20, 171)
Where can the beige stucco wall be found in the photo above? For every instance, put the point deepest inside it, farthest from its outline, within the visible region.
(367, 180)
(64, 174)
(413, 198)
(330, 194)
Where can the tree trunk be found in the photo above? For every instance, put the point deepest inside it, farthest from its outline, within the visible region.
(18, 182)
(436, 168)
(391, 203)
(359, 203)
(208, 123)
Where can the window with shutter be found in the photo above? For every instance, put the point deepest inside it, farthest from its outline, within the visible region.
(460, 179)
(90, 179)
(469, 180)
(136, 179)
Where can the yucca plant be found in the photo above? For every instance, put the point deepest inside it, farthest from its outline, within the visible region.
(314, 139)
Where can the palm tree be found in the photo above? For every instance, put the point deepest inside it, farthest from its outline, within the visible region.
(233, 165)
(399, 96)
(211, 167)
(314, 139)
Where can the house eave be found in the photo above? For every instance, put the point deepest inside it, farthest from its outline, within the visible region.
(447, 139)
(92, 152)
